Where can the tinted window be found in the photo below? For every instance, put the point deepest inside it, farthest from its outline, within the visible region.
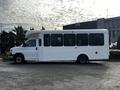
(31, 43)
(39, 42)
(69, 39)
(56, 39)
(47, 40)
(82, 39)
(96, 39)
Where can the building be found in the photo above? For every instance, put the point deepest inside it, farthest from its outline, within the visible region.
(112, 24)
(82, 25)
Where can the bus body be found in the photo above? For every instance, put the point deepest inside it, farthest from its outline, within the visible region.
(64, 45)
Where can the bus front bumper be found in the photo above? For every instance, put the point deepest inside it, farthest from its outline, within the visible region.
(10, 56)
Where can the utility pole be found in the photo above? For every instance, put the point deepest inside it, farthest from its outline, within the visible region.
(107, 13)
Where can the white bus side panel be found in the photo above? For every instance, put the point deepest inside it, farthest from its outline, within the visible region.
(58, 53)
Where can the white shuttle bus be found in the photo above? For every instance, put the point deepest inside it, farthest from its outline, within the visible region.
(81, 46)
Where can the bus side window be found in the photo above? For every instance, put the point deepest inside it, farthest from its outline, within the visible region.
(46, 39)
(56, 40)
(96, 39)
(69, 39)
(82, 39)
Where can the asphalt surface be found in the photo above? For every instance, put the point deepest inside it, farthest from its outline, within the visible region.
(60, 76)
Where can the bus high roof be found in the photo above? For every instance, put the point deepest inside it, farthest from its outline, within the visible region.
(37, 32)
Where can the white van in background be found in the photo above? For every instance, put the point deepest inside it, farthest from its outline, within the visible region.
(81, 46)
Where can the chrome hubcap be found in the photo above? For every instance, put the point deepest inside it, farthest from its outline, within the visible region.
(18, 59)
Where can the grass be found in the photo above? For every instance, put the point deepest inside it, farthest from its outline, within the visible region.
(4, 57)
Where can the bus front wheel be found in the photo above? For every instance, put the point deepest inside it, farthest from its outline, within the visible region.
(82, 59)
(19, 59)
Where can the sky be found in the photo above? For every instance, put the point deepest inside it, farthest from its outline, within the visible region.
(56, 13)
(106, 8)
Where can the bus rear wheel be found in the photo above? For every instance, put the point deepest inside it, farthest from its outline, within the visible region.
(83, 59)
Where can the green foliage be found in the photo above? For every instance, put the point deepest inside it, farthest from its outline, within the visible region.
(20, 35)
(7, 41)
(4, 57)
(10, 39)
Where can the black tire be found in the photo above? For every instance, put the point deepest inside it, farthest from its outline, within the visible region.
(83, 59)
(19, 59)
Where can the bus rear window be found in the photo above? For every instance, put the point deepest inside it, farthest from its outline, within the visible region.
(96, 39)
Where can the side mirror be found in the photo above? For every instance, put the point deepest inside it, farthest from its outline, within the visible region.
(24, 45)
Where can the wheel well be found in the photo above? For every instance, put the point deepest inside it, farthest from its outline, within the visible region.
(82, 55)
(18, 54)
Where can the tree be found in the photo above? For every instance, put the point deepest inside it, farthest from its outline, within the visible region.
(20, 35)
(4, 41)
(11, 39)
(7, 40)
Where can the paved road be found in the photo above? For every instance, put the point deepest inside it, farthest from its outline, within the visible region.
(60, 76)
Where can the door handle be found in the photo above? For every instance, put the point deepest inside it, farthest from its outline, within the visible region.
(36, 48)
(75, 47)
